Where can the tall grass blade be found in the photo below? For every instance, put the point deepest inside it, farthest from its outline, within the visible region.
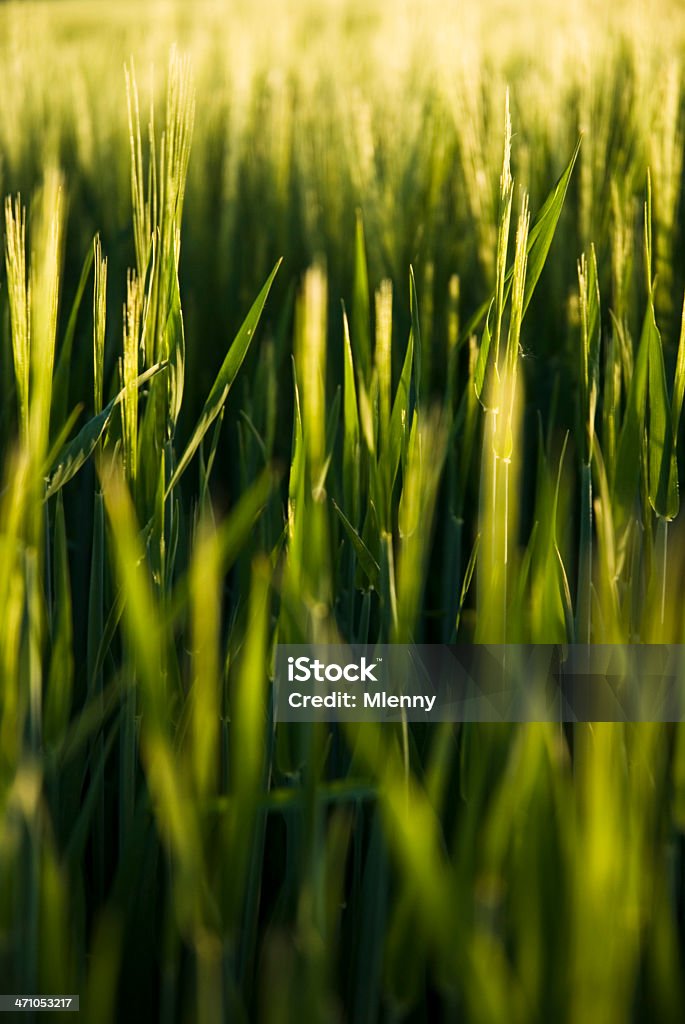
(224, 380)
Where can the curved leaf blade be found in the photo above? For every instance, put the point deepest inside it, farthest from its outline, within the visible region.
(224, 379)
(75, 454)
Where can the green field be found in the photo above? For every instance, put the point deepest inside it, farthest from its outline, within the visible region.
(328, 321)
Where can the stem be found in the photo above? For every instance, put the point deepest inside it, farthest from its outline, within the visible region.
(405, 753)
(494, 490)
(662, 546)
(663, 578)
(584, 593)
(506, 550)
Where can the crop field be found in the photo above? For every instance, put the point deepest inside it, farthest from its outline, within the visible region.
(336, 321)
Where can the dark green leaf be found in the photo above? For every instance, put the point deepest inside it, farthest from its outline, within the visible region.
(224, 379)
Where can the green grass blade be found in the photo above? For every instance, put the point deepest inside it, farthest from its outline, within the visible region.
(544, 228)
(361, 306)
(588, 278)
(60, 682)
(366, 559)
(351, 439)
(78, 451)
(663, 467)
(400, 418)
(483, 352)
(630, 442)
(61, 439)
(234, 533)
(415, 335)
(679, 382)
(383, 361)
(64, 368)
(175, 345)
(466, 583)
(224, 379)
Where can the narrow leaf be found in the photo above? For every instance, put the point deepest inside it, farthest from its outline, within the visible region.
(543, 230)
(679, 383)
(224, 379)
(663, 468)
(631, 438)
(483, 351)
(366, 559)
(415, 335)
(78, 451)
(63, 370)
(351, 445)
(361, 330)
(399, 420)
